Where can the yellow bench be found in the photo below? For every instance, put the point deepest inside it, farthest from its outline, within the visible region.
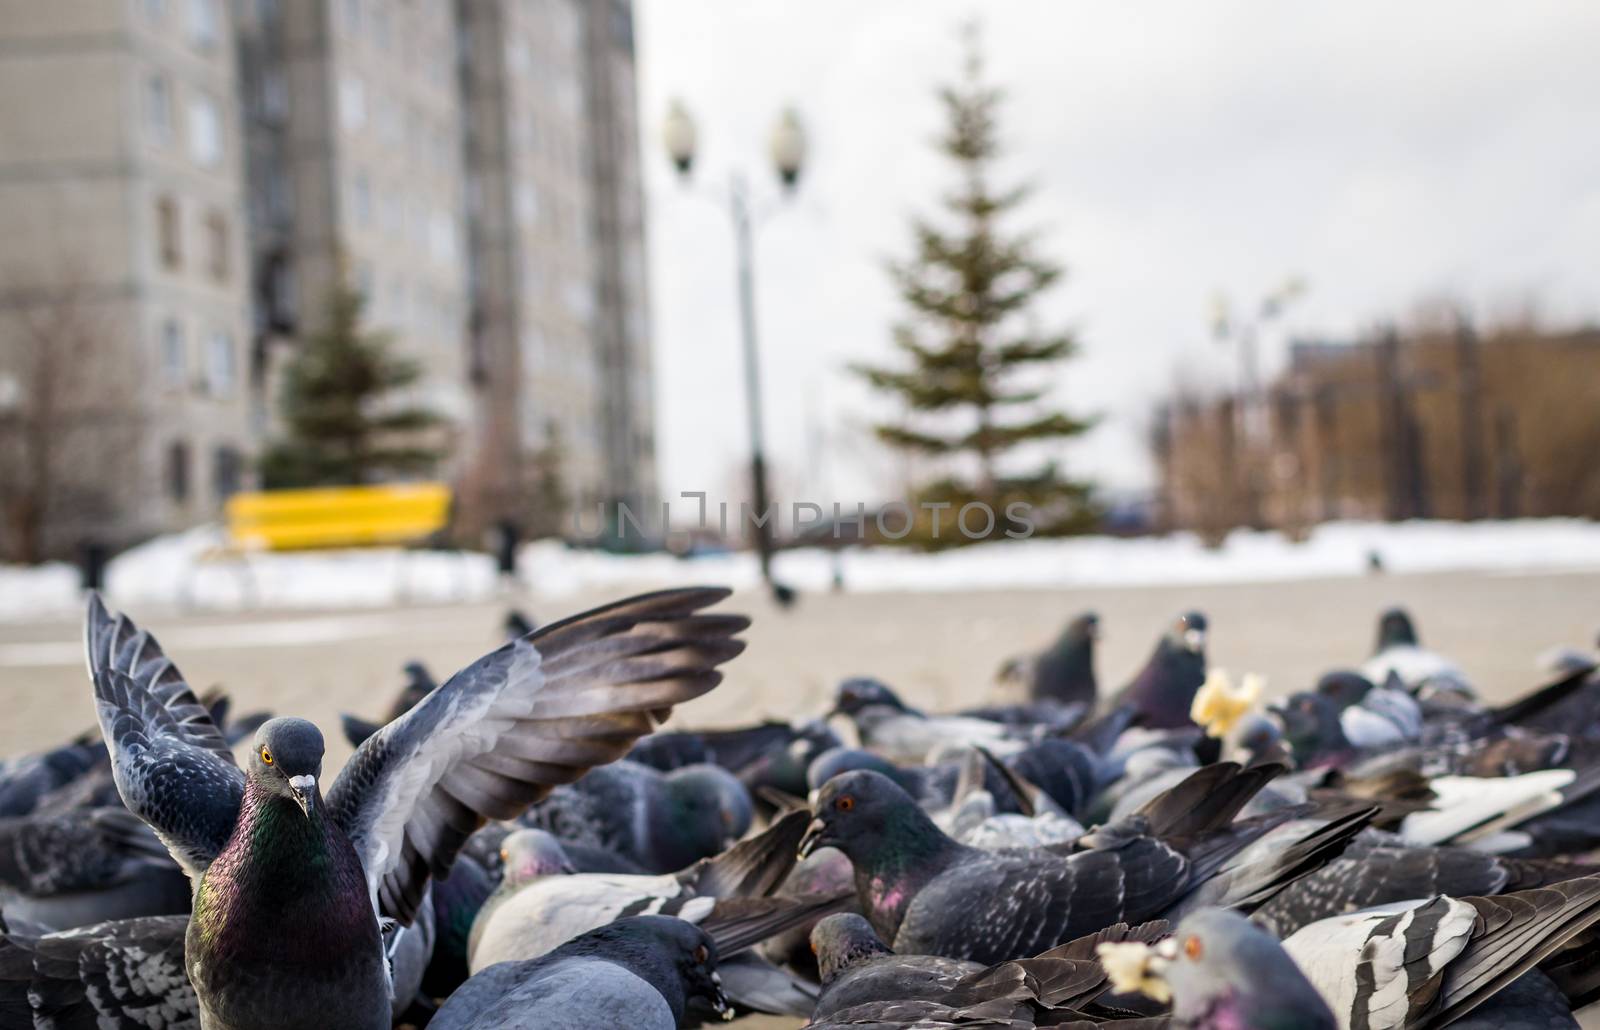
(340, 516)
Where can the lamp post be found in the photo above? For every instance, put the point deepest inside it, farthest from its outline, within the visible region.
(787, 149)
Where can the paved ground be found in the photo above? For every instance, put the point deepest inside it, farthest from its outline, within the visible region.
(940, 649)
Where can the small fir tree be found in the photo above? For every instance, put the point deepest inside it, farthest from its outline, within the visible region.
(969, 288)
(341, 425)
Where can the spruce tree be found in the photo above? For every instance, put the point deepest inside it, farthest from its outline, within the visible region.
(342, 427)
(969, 286)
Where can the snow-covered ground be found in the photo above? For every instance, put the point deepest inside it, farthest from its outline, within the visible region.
(185, 570)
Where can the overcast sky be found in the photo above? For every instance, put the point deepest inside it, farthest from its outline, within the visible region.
(1389, 153)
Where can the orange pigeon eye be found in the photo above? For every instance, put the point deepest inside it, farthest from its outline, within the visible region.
(266, 756)
(845, 803)
(701, 954)
(1193, 948)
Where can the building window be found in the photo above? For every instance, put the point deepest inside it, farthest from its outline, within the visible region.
(226, 467)
(169, 233)
(174, 362)
(203, 31)
(352, 102)
(205, 131)
(178, 471)
(217, 246)
(220, 367)
(158, 107)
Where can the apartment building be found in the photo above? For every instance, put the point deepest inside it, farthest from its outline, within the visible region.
(560, 342)
(124, 300)
(199, 172)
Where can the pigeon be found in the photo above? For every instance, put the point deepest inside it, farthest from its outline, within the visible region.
(83, 866)
(1064, 674)
(1220, 972)
(902, 734)
(1418, 670)
(456, 901)
(542, 902)
(856, 967)
(127, 973)
(1381, 869)
(1424, 964)
(289, 884)
(518, 624)
(925, 893)
(660, 821)
(864, 983)
(1161, 695)
(26, 781)
(643, 973)
(419, 683)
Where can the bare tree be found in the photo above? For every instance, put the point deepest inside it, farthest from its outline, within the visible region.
(68, 418)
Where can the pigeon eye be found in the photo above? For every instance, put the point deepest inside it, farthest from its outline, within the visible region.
(701, 954)
(266, 756)
(1193, 948)
(845, 803)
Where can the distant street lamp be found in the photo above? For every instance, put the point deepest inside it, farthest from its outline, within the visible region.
(787, 149)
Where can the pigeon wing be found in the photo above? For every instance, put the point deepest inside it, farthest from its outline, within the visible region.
(498, 735)
(172, 766)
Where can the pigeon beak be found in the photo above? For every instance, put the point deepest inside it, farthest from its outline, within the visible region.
(813, 838)
(719, 999)
(305, 792)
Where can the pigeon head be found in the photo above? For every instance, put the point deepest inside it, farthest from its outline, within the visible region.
(707, 808)
(856, 695)
(1259, 733)
(529, 854)
(1311, 726)
(1189, 633)
(842, 760)
(1224, 971)
(1395, 629)
(1085, 627)
(871, 819)
(286, 759)
(842, 941)
(673, 955)
(1344, 687)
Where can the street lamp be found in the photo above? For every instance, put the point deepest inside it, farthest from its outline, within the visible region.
(787, 149)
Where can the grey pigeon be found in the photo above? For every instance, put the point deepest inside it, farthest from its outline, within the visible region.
(542, 902)
(419, 683)
(661, 821)
(1377, 869)
(289, 885)
(1161, 694)
(29, 779)
(864, 983)
(1400, 654)
(124, 974)
(642, 973)
(925, 893)
(1064, 674)
(1224, 972)
(888, 726)
(1425, 964)
(83, 866)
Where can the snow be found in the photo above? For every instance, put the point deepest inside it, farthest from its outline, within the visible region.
(1339, 549)
(192, 570)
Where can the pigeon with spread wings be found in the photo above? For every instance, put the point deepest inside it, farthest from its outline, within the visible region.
(290, 886)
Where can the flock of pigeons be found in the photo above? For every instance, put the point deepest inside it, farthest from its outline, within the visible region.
(520, 847)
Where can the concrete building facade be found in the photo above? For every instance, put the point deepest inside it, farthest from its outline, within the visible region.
(122, 263)
(203, 170)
